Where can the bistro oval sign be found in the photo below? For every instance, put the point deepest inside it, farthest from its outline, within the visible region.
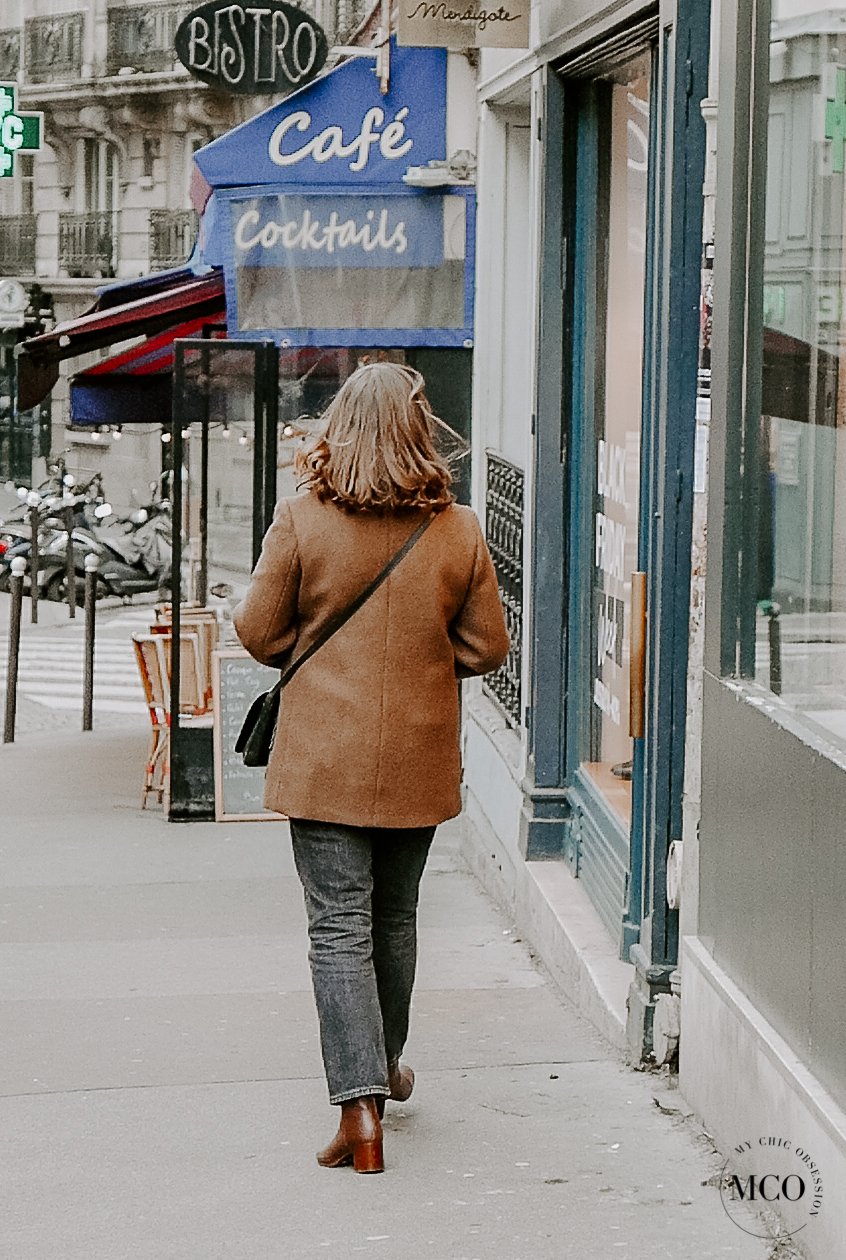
(265, 47)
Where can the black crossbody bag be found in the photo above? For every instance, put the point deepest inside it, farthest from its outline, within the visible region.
(255, 739)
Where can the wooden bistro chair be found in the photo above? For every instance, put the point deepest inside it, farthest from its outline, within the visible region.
(154, 654)
(205, 624)
(157, 695)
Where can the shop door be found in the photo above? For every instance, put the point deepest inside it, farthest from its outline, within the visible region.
(610, 170)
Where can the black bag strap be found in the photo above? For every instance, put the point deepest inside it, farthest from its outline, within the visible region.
(334, 624)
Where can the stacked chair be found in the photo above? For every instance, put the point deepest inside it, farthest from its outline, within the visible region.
(198, 637)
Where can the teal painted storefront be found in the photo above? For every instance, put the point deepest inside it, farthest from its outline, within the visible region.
(613, 474)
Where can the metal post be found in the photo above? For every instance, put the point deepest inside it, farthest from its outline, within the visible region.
(202, 582)
(16, 586)
(176, 447)
(70, 565)
(33, 564)
(201, 590)
(92, 564)
(773, 612)
(271, 432)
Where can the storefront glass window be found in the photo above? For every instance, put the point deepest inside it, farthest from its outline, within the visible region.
(795, 459)
(621, 216)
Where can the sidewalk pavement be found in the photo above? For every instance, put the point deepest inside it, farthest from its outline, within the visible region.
(162, 1092)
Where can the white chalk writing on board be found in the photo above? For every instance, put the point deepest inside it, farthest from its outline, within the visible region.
(238, 788)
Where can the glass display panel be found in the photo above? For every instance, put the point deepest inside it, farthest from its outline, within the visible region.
(793, 595)
(621, 216)
(303, 266)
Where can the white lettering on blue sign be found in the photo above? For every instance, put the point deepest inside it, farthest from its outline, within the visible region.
(309, 233)
(330, 142)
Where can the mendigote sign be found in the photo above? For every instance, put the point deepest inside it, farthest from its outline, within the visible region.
(256, 48)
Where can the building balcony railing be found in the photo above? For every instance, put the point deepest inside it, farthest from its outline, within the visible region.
(17, 244)
(53, 47)
(88, 243)
(10, 55)
(172, 236)
(504, 531)
(339, 18)
(141, 37)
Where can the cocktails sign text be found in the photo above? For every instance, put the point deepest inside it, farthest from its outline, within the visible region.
(252, 48)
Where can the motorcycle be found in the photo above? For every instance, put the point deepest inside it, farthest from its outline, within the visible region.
(134, 554)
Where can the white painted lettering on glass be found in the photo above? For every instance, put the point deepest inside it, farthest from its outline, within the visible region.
(611, 472)
(610, 551)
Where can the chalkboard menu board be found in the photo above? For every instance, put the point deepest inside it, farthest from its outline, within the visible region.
(238, 789)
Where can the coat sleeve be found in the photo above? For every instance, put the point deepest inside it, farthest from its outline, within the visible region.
(266, 618)
(479, 635)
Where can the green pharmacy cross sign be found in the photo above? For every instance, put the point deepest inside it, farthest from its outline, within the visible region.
(835, 122)
(18, 132)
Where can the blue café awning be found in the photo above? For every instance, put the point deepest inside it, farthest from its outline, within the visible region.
(339, 129)
(322, 240)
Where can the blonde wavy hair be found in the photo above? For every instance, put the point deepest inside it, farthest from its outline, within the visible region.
(376, 451)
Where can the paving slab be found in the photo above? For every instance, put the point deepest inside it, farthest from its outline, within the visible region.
(162, 1092)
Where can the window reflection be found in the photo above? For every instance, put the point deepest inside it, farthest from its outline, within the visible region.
(800, 485)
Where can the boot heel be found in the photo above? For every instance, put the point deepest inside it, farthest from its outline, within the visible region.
(368, 1157)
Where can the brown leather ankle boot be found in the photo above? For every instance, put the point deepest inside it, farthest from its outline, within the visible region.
(358, 1140)
(401, 1083)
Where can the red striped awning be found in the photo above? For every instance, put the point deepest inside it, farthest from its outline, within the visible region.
(133, 387)
(194, 302)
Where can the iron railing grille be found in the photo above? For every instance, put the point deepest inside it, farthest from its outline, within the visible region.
(10, 55)
(53, 47)
(17, 244)
(172, 236)
(141, 37)
(504, 532)
(88, 243)
(339, 18)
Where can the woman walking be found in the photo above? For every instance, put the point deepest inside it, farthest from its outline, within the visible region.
(366, 759)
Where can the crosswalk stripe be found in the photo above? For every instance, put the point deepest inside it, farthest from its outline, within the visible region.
(50, 666)
(100, 705)
(75, 687)
(26, 669)
(117, 676)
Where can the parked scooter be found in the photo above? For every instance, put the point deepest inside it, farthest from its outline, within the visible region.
(51, 500)
(134, 553)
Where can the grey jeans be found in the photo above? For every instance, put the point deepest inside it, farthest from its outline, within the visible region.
(361, 886)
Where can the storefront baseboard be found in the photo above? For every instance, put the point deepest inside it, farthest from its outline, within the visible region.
(555, 916)
(743, 1080)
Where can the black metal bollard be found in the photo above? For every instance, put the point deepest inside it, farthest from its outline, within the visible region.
(92, 564)
(33, 565)
(773, 615)
(70, 565)
(16, 587)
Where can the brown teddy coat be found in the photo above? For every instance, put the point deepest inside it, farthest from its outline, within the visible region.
(368, 731)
